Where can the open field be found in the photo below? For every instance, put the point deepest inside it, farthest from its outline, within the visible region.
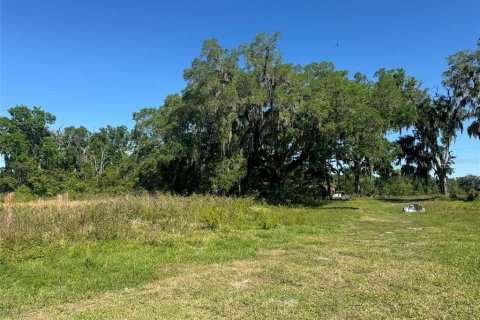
(206, 257)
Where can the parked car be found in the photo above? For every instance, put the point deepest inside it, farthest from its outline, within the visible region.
(339, 195)
(413, 208)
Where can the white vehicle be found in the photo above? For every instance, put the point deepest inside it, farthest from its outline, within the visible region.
(339, 195)
(413, 208)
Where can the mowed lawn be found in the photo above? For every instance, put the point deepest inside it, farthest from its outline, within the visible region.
(358, 259)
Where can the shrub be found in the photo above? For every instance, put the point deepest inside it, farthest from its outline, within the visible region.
(264, 217)
(472, 194)
(23, 193)
(7, 183)
(469, 182)
(398, 186)
(368, 186)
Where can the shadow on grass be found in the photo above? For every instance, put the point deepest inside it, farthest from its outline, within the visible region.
(308, 202)
(410, 199)
(295, 203)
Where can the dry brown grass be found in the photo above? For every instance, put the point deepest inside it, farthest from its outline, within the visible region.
(142, 217)
(7, 204)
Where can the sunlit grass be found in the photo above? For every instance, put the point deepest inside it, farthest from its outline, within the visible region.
(210, 257)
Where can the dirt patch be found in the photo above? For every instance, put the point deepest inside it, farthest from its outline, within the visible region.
(241, 284)
(272, 252)
(374, 219)
(320, 258)
(285, 301)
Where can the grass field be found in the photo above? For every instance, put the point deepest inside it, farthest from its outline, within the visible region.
(206, 258)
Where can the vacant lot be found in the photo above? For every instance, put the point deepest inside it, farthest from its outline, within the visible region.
(205, 257)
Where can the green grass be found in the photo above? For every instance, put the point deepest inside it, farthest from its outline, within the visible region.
(207, 257)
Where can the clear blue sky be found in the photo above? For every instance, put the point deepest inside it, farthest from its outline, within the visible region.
(95, 62)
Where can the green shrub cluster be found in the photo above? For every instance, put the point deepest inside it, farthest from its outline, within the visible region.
(472, 194)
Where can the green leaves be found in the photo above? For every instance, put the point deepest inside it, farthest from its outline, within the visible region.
(462, 81)
(394, 96)
(26, 144)
(247, 122)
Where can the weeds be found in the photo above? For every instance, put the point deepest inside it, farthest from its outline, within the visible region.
(214, 257)
(7, 204)
(143, 217)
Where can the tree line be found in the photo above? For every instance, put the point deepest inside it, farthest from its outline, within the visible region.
(249, 123)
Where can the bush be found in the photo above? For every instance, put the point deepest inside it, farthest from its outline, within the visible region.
(7, 183)
(23, 193)
(368, 186)
(454, 189)
(397, 186)
(469, 182)
(472, 195)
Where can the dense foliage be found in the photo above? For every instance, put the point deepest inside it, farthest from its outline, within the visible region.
(247, 122)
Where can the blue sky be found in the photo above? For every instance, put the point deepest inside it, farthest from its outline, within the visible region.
(94, 63)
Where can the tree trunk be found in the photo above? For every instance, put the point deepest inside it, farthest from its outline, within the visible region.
(357, 172)
(442, 182)
(329, 187)
(276, 183)
(277, 187)
(357, 183)
(338, 187)
(441, 172)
